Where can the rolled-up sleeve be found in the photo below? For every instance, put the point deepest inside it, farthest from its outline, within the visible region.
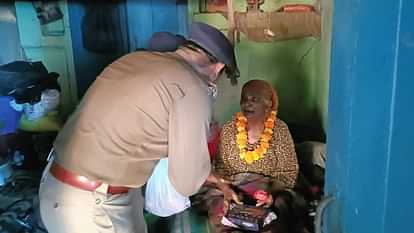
(188, 157)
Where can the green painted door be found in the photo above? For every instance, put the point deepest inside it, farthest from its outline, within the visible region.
(51, 44)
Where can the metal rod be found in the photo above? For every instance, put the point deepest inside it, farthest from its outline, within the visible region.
(319, 212)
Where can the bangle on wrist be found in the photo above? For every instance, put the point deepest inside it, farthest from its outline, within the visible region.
(221, 183)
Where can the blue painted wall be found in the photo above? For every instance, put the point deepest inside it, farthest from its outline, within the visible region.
(139, 19)
(399, 205)
(88, 64)
(11, 49)
(148, 16)
(370, 120)
(50, 43)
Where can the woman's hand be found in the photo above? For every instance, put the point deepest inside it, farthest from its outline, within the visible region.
(230, 195)
(266, 203)
(228, 192)
(263, 198)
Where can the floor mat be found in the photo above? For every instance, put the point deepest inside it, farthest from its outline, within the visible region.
(188, 221)
(19, 204)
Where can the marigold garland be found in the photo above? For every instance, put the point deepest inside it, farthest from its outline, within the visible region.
(249, 156)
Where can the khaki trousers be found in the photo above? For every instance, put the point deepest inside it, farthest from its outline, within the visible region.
(66, 209)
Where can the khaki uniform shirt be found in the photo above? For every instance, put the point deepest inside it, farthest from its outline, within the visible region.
(143, 107)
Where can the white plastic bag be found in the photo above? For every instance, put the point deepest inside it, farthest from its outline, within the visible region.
(161, 198)
(49, 101)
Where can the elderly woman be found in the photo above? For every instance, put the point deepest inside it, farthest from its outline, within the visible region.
(256, 153)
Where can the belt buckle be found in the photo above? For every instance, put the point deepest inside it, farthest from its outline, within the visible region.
(102, 188)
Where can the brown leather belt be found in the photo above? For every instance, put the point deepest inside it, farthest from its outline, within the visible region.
(82, 182)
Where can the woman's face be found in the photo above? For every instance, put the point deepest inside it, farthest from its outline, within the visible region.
(255, 104)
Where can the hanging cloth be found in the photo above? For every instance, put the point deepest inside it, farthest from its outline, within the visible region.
(101, 29)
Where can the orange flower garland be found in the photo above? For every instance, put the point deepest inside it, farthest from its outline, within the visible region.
(249, 156)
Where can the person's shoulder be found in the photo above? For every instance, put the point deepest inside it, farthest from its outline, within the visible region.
(147, 57)
(135, 62)
(165, 66)
(228, 126)
(282, 127)
(227, 131)
(281, 124)
(174, 69)
(134, 55)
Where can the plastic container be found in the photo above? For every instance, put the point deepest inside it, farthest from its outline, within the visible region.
(5, 172)
(9, 117)
(49, 101)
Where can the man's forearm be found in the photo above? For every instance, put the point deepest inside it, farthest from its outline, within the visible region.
(212, 178)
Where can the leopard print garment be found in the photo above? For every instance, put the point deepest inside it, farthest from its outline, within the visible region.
(279, 162)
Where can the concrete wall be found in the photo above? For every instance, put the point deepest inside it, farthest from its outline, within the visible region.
(370, 130)
(298, 69)
(11, 49)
